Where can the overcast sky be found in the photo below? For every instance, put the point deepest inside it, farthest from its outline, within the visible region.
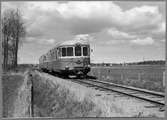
(118, 31)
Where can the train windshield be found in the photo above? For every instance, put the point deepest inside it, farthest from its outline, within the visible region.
(64, 52)
(78, 50)
(70, 51)
(85, 51)
(67, 51)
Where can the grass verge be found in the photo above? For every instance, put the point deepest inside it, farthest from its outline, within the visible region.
(57, 101)
(10, 85)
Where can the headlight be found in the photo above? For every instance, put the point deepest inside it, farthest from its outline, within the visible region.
(88, 65)
(67, 68)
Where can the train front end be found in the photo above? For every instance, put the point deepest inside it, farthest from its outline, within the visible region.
(75, 58)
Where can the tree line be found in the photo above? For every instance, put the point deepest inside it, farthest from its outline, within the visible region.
(149, 62)
(13, 31)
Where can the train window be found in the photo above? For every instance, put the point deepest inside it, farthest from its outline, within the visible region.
(78, 51)
(59, 52)
(64, 52)
(70, 51)
(85, 51)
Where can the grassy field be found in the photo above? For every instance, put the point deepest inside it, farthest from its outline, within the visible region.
(147, 77)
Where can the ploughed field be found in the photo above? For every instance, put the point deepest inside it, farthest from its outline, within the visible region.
(142, 76)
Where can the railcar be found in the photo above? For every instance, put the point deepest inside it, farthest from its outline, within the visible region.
(67, 58)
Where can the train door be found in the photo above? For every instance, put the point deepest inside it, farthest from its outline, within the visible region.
(58, 53)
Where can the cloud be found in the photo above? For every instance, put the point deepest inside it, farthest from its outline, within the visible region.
(51, 41)
(146, 17)
(54, 19)
(84, 37)
(115, 34)
(43, 41)
(141, 15)
(89, 10)
(163, 40)
(159, 33)
(85, 17)
(113, 42)
(145, 41)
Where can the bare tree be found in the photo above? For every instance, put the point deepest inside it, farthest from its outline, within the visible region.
(6, 34)
(13, 30)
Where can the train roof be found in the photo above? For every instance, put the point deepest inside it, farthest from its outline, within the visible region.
(74, 42)
(69, 42)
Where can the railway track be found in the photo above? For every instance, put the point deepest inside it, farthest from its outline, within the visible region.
(157, 98)
(146, 95)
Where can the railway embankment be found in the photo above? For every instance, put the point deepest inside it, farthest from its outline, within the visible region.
(56, 97)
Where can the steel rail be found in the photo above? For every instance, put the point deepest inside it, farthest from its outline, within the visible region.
(109, 87)
(131, 88)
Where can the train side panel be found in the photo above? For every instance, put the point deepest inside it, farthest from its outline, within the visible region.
(53, 61)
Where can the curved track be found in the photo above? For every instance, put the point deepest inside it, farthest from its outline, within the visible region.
(146, 95)
(157, 98)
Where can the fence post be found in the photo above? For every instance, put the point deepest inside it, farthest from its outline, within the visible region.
(32, 98)
(139, 76)
(31, 106)
(100, 73)
(163, 82)
(122, 77)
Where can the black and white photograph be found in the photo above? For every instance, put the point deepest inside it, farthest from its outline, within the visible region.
(83, 59)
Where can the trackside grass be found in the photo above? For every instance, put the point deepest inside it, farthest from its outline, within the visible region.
(10, 85)
(52, 100)
(12, 81)
(59, 98)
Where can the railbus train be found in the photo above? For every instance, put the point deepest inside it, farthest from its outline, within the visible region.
(68, 58)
